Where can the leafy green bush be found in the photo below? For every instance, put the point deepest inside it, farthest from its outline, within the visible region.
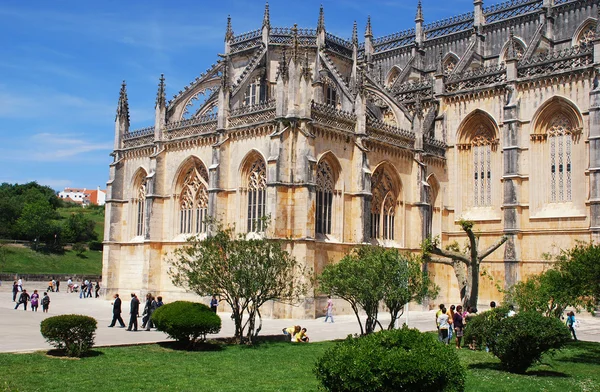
(481, 330)
(95, 245)
(522, 339)
(187, 322)
(79, 248)
(70, 332)
(395, 360)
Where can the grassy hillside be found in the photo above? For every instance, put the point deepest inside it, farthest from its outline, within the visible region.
(94, 213)
(22, 260)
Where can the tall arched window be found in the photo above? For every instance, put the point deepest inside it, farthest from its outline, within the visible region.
(257, 195)
(587, 35)
(325, 188)
(383, 206)
(140, 202)
(193, 201)
(560, 144)
(481, 147)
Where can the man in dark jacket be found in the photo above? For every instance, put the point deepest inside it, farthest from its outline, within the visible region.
(117, 312)
(23, 299)
(134, 310)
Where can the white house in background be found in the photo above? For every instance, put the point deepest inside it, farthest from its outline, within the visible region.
(84, 196)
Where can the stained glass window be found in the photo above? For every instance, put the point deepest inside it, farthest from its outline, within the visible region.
(141, 201)
(560, 143)
(325, 187)
(383, 204)
(193, 202)
(257, 195)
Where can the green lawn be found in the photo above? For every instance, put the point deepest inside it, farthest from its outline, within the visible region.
(268, 367)
(23, 260)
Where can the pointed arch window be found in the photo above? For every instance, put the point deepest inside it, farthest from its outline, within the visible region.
(560, 143)
(140, 202)
(325, 188)
(481, 147)
(383, 207)
(257, 195)
(449, 65)
(193, 204)
(588, 35)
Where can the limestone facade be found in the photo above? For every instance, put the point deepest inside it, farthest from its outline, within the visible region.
(492, 116)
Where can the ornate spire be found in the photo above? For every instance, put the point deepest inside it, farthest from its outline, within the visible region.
(295, 46)
(419, 17)
(161, 96)
(229, 31)
(368, 30)
(511, 51)
(306, 71)
(266, 17)
(282, 70)
(321, 23)
(123, 105)
(355, 34)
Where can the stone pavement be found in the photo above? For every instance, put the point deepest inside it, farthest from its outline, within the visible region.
(20, 330)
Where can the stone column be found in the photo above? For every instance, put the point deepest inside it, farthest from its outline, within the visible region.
(594, 169)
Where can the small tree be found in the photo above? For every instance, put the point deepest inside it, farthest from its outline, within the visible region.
(244, 273)
(372, 274)
(580, 268)
(35, 221)
(466, 264)
(79, 228)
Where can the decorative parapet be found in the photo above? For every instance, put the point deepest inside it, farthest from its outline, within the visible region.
(510, 9)
(448, 26)
(551, 62)
(434, 147)
(393, 41)
(338, 45)
(246, 41)
(252, 114)
(479, 77)
(283, 36)
(409, 91)
(191, 127)
(385, 133)
(139, 137)
(329, 116)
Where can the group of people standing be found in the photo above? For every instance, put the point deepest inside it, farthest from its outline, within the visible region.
(85, 289)
(34, 299)
(451, 322)
(151, 305)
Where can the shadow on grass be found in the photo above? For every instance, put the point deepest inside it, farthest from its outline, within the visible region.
(204, 346)
(56, 353)
(534, 373)
(587, 352)
(81, 256)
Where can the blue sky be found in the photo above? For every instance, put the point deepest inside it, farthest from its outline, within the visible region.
(62, 63)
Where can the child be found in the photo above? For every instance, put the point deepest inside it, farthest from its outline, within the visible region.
(291, 332)
(302, 337)
(35, 297)
(45, 303)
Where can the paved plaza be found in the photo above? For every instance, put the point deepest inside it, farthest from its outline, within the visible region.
(20, 330)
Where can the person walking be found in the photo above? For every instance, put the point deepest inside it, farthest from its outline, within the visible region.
(20, 284)
(458, 325)
(151, 309)
(451, 321)
(159, 302)
(571, 322)
(134, 310)
(69, 285)
(90, 288)
(117, 312)
(23, 299)
(329, 309)
(45, 303)
(57, 285)
(82, 289)
(214, 303)
(15, 290)
(35, 301)
(98, 289)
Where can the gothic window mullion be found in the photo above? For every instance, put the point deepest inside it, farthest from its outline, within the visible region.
(568, 167)
(552, 168)
(475, 151)
(561, 184)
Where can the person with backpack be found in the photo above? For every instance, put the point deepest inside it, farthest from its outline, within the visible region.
(23, 299)
(35, 298)
(45, 303)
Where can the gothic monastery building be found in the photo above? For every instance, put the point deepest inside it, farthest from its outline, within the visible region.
(491, 116)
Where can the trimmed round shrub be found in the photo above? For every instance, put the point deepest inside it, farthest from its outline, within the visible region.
(521, 340)
(396, 360)
(95, 245)
(187, 322)
(70, 332)
(482, 329)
